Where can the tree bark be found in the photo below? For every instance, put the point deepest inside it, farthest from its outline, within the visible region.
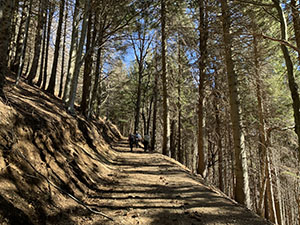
(296, 24)
(262, 145)
(62, 74)
(78, 63)
(24, 42)
(202, 75)
(166, 119)
(50, 18)
(270, 193)
(37, 44)
(219, 136)
(138, 94)
(289, 65)
(96, 91)
(39, 82)
(278, 198)
(87, 78)
(140, 47)
(242, 192)
(179, 149)
(149, 112)
(15, 21)
(5, 21)
(155, 99)
(172, 139)
(20, 37)
(52, 82)
(72, 54)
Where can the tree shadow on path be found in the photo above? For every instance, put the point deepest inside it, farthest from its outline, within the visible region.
(155, 190)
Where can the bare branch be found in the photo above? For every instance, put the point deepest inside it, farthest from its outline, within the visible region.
(283, 42)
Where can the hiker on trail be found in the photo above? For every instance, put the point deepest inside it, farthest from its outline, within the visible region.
(131, 141)
(146, 142)
(138, 138)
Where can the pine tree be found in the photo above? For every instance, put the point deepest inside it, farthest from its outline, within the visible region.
(51, 86)
(166, 119)
(79, 61)
(203, 32)
(37, 44)
(6, 9)
(242, 193)
(289, 66)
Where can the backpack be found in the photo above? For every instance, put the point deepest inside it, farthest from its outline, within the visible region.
(147, 138)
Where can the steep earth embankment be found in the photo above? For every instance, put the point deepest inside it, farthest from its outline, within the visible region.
(58, 169)
(48, 157)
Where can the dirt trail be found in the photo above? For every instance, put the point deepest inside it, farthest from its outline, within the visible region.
(155, 190)
(56, 169)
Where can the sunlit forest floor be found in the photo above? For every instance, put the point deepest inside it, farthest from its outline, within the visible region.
(61, 169)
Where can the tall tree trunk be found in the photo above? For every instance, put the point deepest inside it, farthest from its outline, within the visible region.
(289, 65)
(202, 74)
(15, 21)
(172, 139)
(20, 37)
(230, 153)
(138, 100)
(6, 9)
(62, 74)
(296, 24)
(155, 99)
(51, 86)
(50, 18)
(140, 48)
(98, 71)
(147, 131)
(37, 44)
(72, 54)
(78, 63)
(87, 78)
(180, 74)
(263, 146)
(270, 193)
(278, 200)
(166, 119)
(242, 192)
(226, 161)
(24, 42)
(217, 99)
(144, 120)
(99, 100)
(297, 197)
(39, 82)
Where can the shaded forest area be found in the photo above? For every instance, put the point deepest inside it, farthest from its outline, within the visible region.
(214, 83)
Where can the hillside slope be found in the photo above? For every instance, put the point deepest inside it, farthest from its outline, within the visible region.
(45, 154)
(59, 169)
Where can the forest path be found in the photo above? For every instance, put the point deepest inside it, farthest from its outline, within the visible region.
(152, 189)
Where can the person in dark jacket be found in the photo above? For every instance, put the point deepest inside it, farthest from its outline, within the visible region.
(131, 140)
